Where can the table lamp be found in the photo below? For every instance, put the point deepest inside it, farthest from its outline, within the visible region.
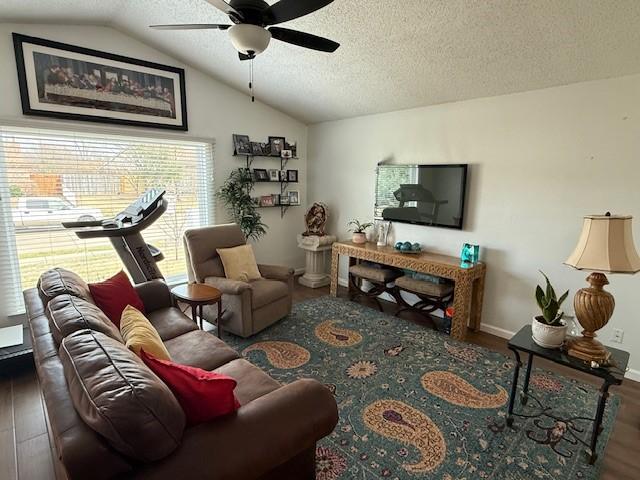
(605, 245)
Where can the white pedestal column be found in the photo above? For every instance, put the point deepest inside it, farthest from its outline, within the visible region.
(315, 274)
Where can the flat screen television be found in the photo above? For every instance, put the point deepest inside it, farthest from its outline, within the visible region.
(422, 194)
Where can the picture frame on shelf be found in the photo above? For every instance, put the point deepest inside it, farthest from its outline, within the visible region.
(266, 201)
(256, 148)
(70, 82)
(276, 198)
(292, 176)
(284, 199)
(294, 197)
(293, 147)
(276, 145)
(286, 154)
(241, 144)
(274, 175)
(260, 175)
(266, 148)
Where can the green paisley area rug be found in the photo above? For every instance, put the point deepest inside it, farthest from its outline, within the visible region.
(414, 403)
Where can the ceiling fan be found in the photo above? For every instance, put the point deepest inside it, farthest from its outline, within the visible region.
(252, 25)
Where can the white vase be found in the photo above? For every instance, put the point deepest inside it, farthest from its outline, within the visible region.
(547, 336)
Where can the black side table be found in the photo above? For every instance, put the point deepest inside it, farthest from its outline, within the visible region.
(522, 342)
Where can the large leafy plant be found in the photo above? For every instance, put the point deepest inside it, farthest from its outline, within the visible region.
(236, 195)
(550, 304)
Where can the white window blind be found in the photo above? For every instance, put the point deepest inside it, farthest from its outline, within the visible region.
(47, 177)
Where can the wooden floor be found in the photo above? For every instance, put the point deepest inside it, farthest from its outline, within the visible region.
(26, 449)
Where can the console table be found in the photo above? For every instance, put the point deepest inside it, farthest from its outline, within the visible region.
(469, 282)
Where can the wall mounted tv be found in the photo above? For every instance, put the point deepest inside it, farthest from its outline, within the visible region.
(422, 194)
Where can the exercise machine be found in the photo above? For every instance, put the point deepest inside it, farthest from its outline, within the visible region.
(124, 233)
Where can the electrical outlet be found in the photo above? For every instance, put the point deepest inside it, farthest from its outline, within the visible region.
(618, 335)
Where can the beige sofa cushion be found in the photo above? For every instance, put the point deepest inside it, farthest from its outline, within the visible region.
(68, 314)
(59, 281)
(138, 334)
(119, 397)
(239, 263)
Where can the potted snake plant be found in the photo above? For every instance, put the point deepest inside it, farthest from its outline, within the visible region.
(359, 230)
(549, 329)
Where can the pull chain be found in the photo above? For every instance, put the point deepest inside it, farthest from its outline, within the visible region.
(253, 98)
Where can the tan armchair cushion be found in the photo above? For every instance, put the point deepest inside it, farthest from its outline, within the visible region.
(265, 291)
(201, 245)
(239, 263)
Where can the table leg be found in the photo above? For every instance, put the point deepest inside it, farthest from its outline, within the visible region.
(514, 387)
(597, 424)
(476, 303)
(219, 319)
(525, 389)
(333, 290)
(461, 307)
(194, 313)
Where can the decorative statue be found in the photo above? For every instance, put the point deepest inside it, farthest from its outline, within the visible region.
(315, 220)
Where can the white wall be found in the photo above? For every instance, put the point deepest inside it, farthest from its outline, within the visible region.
(539, 160)
(215, 111)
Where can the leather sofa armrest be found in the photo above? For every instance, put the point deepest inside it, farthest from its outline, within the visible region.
(276, 272)
(155, 295)
(227, 286)
(260, 436)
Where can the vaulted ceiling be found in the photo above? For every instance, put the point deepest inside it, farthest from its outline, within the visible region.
(395, 54)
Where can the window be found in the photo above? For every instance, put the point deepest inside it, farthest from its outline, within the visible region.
(49, 177)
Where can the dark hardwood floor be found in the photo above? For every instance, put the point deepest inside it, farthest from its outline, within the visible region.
(26, 448)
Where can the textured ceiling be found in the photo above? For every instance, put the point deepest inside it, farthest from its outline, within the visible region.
(395, 54)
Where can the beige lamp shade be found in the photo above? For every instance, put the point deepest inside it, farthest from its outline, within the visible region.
(606, 245)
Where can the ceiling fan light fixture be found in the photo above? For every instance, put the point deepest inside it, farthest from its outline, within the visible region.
(249, 39)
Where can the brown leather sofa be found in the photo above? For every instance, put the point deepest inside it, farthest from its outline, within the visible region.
(249, 306)
(111, 417)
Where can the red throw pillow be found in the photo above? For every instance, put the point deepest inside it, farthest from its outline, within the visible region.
(203, 395)
(114, 294)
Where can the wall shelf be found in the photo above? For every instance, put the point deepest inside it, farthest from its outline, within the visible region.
(249, 158)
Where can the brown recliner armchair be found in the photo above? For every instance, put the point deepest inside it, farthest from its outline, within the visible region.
(249, 306)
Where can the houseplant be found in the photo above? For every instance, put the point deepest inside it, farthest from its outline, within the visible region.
(236, 195)
(358, 229)
(549, 329)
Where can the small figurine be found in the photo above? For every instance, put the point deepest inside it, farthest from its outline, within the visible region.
(315, 220)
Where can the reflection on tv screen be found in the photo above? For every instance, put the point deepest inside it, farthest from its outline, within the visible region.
(422, 194)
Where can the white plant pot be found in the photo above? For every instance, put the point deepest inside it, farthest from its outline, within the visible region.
(547, 336)
(359, 238)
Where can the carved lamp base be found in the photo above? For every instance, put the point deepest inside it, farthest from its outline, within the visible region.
(594, 307)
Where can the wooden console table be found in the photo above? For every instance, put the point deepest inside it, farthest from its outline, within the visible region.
(469, 282)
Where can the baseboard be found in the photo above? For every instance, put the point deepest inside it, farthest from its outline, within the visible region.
(497, 331)
(631, 374)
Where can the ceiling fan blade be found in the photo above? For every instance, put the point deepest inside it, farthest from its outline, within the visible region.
(303, 39)
(191, 26)
(286, 10)
(226, 8)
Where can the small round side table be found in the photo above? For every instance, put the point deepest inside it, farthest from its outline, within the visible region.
(198, 295)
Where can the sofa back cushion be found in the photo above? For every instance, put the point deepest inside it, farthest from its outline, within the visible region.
(59, 281)
(68, 314)
(201, 245)
(117, 395)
